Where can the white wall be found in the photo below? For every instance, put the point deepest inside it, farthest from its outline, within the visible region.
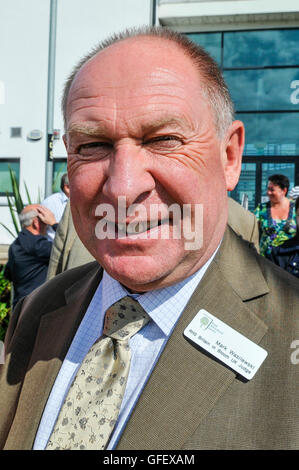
(81, 25)
(23, 71)
(24, 34)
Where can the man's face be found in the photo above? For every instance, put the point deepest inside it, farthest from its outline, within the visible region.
(140, 128)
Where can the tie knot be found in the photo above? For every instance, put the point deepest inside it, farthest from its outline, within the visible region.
(124, 318)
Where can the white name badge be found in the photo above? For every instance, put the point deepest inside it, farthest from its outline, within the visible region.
(226, 344)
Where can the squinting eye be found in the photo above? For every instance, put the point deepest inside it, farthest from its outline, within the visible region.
(95, 149)
(164, 141)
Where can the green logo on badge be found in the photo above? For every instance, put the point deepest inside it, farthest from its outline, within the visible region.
(205, 322)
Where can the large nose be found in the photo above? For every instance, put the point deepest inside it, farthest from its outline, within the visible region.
(128, 175)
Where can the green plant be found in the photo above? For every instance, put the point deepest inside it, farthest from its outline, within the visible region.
(5, 307)
(16, 203)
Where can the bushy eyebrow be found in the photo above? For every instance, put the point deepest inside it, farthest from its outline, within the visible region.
(92, 131)
(146, 127)
(159, 123)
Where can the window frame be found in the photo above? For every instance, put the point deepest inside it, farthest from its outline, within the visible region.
(258, 159)
(11, 160)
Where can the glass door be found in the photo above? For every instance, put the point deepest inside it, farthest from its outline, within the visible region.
(246, 188)
(253, 182)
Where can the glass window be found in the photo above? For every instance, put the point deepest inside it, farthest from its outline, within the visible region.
(59, 167)
(265, 90)
(211, 42)
(268, 169)
(261, 48)
(246, 185)
(5, 181)
(275, 134)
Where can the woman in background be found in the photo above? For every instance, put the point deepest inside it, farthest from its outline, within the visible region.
(277, 217)
(287, 255)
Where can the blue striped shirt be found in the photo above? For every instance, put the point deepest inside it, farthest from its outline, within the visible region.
(164, 307)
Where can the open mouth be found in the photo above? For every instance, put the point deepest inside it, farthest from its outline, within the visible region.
(138, 227)
(135, 227)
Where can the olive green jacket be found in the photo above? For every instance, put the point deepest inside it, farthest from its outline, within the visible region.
(190, 401)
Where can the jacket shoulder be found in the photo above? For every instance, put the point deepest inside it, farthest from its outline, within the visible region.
(52, 295)
(58, 285)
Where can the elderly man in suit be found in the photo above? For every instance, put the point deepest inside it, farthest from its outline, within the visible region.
(179, 335)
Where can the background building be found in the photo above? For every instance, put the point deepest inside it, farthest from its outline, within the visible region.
(255, 42)
(24, 73)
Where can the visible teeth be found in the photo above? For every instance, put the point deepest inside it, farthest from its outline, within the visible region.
(138, 227)
(121, 227)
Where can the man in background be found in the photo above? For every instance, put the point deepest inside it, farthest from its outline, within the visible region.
(294, 192)
(57, 202)
(67, 251)
(29, 254)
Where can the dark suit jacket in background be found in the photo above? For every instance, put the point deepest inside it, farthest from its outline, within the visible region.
(27, 266)
(190, 401)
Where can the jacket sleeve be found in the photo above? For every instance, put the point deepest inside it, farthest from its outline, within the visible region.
(56, 259)
(43, 248)
(7, 272)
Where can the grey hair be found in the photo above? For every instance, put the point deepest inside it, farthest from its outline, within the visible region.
(26, 218)
(215, 88)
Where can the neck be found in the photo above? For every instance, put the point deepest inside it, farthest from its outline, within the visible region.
(282, 202)
(32, 230)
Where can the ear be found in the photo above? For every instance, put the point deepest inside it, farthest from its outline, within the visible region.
(64, 138)
(35, 223)
(234, 144)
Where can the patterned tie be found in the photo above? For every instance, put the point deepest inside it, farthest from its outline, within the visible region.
(91, 408)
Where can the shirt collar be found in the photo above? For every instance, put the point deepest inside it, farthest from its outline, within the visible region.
(164, 306)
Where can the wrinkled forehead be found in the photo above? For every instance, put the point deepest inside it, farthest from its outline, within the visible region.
(129, 65)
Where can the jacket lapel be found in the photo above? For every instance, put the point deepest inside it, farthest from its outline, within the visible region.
(54, 337)
(186, 384)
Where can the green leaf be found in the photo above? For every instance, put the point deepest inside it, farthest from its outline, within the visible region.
(15, 189)
(11, 209)
(27, 193)
(6, 228)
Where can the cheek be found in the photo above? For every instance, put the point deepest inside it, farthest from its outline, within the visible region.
(86, 179)
(187, 175)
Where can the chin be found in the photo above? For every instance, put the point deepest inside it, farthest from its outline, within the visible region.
(138, 273)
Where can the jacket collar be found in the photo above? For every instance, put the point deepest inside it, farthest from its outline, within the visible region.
(186, 384)
(56, 331)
